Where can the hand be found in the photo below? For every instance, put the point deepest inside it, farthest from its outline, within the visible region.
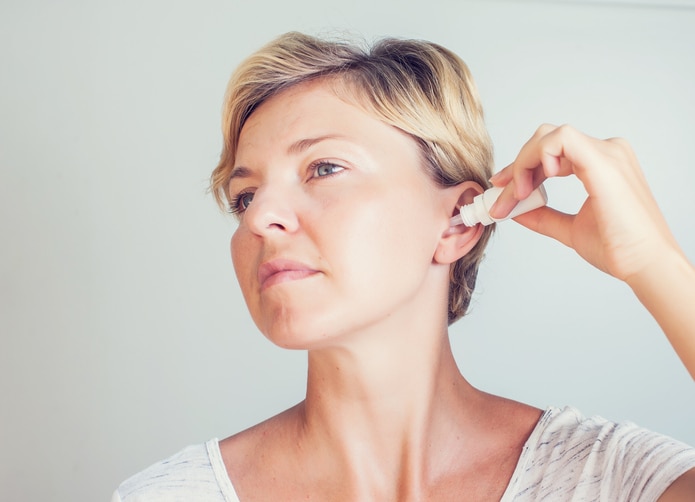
(619, 228)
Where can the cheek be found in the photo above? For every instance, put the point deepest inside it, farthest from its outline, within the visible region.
(380, 238)
(241, 259)
(234, 248)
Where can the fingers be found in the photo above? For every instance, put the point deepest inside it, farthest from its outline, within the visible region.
(549, 222)
(503, 177)
(522, 176)
(605, 167)
(619, 228)
(551, 151)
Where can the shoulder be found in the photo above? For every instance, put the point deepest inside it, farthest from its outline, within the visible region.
(191, 474)
(573, 455)
(566, 431)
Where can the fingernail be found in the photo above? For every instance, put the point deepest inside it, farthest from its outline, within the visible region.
(492, 211)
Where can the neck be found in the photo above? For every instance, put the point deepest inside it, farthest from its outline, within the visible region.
(386, 405)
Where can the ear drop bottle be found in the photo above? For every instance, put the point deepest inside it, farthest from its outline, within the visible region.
(479, 210)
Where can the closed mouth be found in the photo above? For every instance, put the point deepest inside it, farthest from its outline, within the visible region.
(281, 270)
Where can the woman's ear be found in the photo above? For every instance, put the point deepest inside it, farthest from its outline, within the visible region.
(456, 241)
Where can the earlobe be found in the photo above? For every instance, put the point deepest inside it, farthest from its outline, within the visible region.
(456, 242)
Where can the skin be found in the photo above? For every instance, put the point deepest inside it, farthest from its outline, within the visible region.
(387, 414)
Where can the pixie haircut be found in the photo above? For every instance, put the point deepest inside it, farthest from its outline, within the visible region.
(416, 86)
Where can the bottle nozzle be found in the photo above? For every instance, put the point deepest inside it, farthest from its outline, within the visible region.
(478, 211)
(456, 220)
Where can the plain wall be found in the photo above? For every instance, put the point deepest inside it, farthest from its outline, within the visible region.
(123, 334)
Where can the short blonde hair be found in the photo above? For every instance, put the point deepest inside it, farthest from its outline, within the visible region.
(419, 87)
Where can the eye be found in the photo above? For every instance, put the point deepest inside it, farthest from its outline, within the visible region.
(240, 202)
(322, 169)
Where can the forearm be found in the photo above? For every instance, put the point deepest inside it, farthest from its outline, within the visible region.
(667, 290)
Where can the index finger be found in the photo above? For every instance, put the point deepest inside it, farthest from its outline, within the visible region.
(552, 151)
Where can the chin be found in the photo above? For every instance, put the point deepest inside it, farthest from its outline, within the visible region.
(296, 333)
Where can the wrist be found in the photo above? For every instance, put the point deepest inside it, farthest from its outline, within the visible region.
(670, 266)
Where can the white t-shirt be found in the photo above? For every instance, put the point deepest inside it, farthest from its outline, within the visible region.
(566, 458)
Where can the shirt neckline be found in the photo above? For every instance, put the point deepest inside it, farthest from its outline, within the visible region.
(220, 471)
(532, 440)
(230, 495)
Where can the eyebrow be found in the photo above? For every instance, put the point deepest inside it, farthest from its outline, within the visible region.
(304, 144)
(295, 148)
(240, 172)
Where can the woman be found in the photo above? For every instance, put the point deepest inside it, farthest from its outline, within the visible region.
(344, 168)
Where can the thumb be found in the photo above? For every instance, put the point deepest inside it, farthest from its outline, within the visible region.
(549, 222)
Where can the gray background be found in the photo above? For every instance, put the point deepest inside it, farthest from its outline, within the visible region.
(123, 334)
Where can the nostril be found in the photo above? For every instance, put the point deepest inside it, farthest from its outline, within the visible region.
(267, 214)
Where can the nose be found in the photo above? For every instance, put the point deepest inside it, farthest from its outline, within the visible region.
(272, 210)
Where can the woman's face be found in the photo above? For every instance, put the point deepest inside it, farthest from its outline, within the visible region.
(338, 221)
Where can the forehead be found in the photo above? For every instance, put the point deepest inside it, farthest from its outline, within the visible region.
(325, 107)
(307, 102)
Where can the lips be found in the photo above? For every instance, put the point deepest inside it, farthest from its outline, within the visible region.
(280, 270)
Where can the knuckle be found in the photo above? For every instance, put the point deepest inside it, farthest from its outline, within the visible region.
(621, 143)
(566, 130)
(544, 129)
(621, 147)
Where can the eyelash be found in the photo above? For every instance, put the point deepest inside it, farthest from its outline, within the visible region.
(235, 204)
(314, 166)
